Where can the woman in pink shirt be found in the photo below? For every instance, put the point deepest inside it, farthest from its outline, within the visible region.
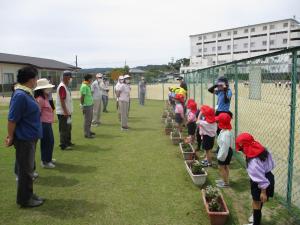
(41, 93)
(179, 110)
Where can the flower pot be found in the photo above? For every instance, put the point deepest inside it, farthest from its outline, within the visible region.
(175, 140)
(216, 218)
(187, 155)
(168, 131)
(198, 180)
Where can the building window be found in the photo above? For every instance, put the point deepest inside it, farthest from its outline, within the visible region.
(205, 49)
(200, 38)
(229, 33)
(272, 26)
(235, 46)
(284, 41)
(219, 34)
(219, 48)
(200, 50)
(235, 32)
(285, 24)
(253, 29)
(272, 42)
(228, 47)
(204, 37)
(252, 44)
(245, 45)
(213, 49)
(8, 78)
(246, 30)
(265, 28)
(264, 43)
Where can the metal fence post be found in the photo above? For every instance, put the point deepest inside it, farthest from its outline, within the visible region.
(201, 91)
(213, 81)
(236, 96)
(163, 91)
(292, 130)
(194, 84)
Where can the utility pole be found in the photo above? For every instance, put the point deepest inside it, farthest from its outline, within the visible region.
(76, 62)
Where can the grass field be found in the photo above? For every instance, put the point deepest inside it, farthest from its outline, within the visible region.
(135, 178)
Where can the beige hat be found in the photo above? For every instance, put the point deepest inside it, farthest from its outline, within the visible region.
(126, 76)
(43, 84)
(99, 75)
(121, 78)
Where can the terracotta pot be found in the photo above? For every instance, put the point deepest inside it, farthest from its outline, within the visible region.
(168, 131)
(187, 155)
(216, 218)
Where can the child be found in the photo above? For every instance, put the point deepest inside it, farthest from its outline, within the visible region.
(41, 93)
(207, 130)
(225, 143)
(191, 118)
(179, 111)
(259, 163)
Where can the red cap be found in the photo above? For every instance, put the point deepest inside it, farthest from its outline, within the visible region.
(208, 113)
(179, 97)
(192, 106)
(250, 147)
(224, 121)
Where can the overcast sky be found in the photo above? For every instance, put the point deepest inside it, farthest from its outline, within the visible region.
(105, 33)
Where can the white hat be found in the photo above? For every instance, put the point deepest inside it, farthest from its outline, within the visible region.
(121, 78)
(43, 84)
(99, 75)
(126, 76)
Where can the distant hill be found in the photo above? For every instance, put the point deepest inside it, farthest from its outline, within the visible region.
(96, 70)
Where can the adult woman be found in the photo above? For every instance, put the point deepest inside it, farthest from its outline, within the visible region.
(41, 93)
(259, 166)
(24, 129)
(123, 94)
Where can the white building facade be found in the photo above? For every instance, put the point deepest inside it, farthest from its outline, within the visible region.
(214, 48)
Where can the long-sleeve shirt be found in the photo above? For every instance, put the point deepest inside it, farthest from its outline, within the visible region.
(179, 109)
(124, 90)
(104, 88)
(206, 128)
(257, 170)
(97, 93)
(225, 141)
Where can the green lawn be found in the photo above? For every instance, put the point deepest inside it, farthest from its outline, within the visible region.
(136, 177)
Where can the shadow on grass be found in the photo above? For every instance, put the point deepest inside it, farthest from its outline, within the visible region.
(69, 208)
(71, 168)
(90, 148)
(57, 181)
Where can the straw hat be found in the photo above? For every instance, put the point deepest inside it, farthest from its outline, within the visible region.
(99, 75)
(43, 84)
(126, 76)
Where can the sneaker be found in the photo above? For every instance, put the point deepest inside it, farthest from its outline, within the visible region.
(49, 165)
(92, 133)
(89, 136)
(32, 203)
(251, 219)
(222, 185)
(206, 164)
(53, 161)
(36, 197)
(124, 129)
(219, 181)
(95, 125)
(63, 147)
(71, 144)
(204, 161)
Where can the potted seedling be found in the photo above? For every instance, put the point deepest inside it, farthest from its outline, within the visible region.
(168, 120)
(168, 128)
(164, 116)
(187, 151)
(215, 205)
(196, 172)
(175, 136)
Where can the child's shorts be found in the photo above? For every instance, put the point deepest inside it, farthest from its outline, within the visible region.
(191, 128)
(208, 142)
(227, 160)
(178, 118)
(255, 190)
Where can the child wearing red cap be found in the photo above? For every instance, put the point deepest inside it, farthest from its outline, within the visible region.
(225, 143)
(191, 118)
(179, 110)
(260, 164)
(207, 130)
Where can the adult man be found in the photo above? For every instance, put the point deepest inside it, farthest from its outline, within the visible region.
(182, 83)
(105, 89)
(24, 129)
(142, 91)
(86, 103)
(117, 89)
(97, 98)
(64, 110)
(124, 98)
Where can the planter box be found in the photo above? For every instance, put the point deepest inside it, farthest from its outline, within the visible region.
(168, 131)
(198, 180)
(175, 140)
(216, 218)
(187, 155)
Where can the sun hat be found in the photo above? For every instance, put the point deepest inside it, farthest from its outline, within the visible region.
(179, 98)
(67, 73)
(208, 113)
(224, 121)
(126, 76)
(99, 75)
(121, 78)
(222, 80)
(43, 84)
(251, 148)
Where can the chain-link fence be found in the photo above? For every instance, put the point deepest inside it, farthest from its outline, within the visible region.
(265, 103)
